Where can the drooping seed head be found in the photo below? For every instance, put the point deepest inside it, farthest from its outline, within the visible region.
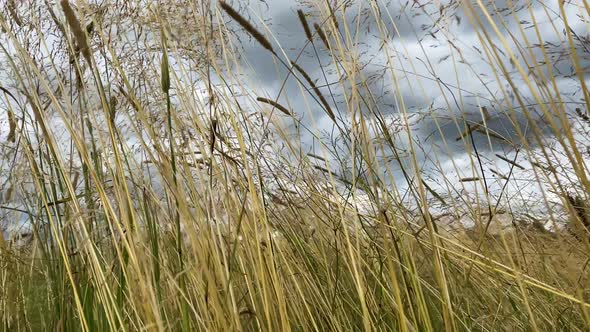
(303, 21)
(247, 26)
(76, 27)
(165, 66)
(322, 35)
(275, 105)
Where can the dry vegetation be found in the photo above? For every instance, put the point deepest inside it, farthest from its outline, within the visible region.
(157, 187)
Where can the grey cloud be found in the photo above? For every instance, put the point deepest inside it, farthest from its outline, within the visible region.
(477, 86)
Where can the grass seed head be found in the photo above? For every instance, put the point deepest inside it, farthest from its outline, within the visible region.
(303, 21)
(77, 30)
(13, 13)
(165, 66)
(322, 35)
(12, 127)
(316, 90)
(247, 26)
(275, 105)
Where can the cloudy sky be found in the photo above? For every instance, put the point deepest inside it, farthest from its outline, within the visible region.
(441, 72)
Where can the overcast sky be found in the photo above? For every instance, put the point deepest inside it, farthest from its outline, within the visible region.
(437, 83)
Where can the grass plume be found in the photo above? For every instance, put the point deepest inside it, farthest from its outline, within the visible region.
(11, 5)
(275, 105)
(12, 127)
(76, 27)
(247, 26)
(322, 35)
(306, 28)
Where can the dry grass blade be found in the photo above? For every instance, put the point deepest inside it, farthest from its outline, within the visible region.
(511, 162)
(469, 130)
(470, 179)
(475, 127)
(490, 133)
(212, 136)
(315, 156)
(323, 169)
(549, 168)
(165, 66)
(434, 193)
(584, 116)
(500, 175)
(332, 15)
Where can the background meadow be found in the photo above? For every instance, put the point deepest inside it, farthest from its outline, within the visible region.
(294, 165)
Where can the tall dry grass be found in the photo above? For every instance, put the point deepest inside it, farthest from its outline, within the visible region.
(164, 191)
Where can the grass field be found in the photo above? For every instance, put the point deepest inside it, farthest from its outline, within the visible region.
(153, 178)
